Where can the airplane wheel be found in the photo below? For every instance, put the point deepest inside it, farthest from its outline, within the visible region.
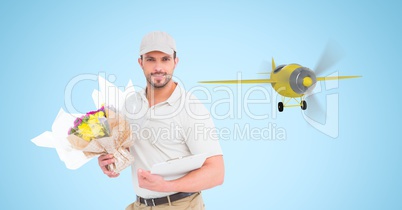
(304, 105)
(280, 107)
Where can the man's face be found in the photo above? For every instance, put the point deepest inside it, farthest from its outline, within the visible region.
(158, 68)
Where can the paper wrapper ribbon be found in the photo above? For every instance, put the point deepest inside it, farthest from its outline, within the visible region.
(117, 143)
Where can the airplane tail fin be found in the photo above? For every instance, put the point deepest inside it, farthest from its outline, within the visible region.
(273, 64)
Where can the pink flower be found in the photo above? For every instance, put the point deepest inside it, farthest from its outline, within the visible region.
(94, 112)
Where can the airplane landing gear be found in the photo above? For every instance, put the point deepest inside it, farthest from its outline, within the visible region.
(303, 105)
(280, 107)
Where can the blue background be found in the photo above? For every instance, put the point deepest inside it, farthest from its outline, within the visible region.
(45, 44)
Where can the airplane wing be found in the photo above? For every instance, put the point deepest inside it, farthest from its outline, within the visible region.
(336, 78)
(247, 81)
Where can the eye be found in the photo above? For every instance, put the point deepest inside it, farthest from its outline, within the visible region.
(149, 59)
(166, 59)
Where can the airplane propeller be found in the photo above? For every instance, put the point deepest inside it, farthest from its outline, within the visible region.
(331, 55)
(294, 80)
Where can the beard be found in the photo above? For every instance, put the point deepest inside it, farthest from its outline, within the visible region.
(159, 83)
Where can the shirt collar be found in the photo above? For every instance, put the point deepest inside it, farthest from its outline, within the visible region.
(176, 95)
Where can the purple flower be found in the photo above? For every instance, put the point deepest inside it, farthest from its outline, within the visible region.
(77, 122)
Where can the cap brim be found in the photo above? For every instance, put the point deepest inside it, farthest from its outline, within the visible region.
(163, 49)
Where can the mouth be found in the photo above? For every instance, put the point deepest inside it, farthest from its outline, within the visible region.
(158, 75)
(159, 79)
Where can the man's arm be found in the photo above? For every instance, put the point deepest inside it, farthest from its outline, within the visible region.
(211, 174)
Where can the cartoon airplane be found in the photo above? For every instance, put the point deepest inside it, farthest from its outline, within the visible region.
(291, 81)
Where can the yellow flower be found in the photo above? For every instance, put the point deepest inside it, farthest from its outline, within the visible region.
(86, 132)
(100, 114)
(91, 128)
(97, 130)
(93, 120)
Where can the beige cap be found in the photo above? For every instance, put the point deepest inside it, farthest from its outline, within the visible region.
(157, 41)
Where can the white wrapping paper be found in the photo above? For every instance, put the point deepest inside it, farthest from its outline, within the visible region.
(73, 158)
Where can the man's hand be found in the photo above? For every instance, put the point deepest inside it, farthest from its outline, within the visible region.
(211, 174)
(151, 181)
(105, 160)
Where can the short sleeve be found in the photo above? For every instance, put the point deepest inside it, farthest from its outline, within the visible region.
(201, 136)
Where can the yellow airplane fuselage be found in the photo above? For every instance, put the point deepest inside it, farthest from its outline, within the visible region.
(281, 78)
(292, 80)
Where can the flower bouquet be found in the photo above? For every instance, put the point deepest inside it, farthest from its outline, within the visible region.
(98, 132)
(103, 132)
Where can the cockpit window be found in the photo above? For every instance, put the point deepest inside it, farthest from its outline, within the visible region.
(278, 68)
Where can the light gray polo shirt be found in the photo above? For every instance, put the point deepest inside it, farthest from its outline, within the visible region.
(179, 126)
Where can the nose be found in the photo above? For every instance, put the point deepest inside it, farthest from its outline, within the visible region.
(158, 67)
